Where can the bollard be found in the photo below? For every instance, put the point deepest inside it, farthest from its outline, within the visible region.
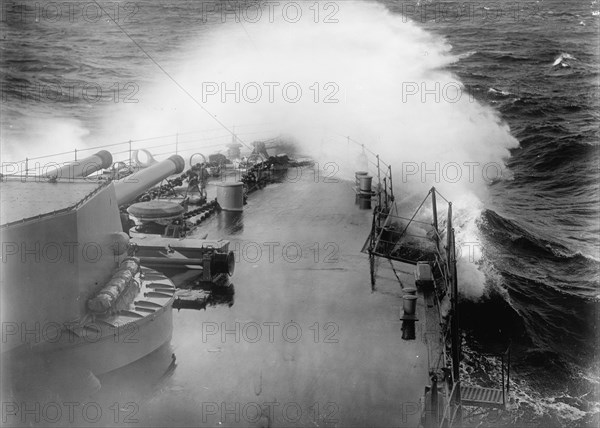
(410, 304)
(231, 196)
(358, 175)
(365, 183)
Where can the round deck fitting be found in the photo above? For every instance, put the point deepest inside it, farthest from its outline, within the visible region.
(155, 210)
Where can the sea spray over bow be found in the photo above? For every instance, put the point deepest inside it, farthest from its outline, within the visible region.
(373, 76)
(361, 72)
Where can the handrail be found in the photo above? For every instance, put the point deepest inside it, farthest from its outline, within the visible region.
(383, 228)
(412, 218)
(504, 354)
(129, 146)
(445, 260)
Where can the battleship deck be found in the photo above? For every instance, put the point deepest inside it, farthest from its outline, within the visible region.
(340, 361)
(306, 342)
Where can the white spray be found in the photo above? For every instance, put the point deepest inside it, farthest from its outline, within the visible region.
(373, 76)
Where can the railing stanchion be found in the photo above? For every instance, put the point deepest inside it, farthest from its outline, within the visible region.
(385, 195)
(503, 397)
(435, 218)
(448, 237)
(378, 181)
(75, 154)
(507, 371)
(456, 338)
(391, 183)
(129, 152)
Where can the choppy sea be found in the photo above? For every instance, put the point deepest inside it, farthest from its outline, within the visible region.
(79, 74)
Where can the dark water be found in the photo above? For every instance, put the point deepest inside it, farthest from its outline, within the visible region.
(534, 62)
(537, 63)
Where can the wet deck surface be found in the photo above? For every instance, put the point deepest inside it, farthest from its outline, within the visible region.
(306, 342)
(305, 332)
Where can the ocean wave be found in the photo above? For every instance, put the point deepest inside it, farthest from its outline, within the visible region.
(545, 387)
(561, 60)
(556, 406)
(499, 92)
(525, 260)
(465, 55)
(508, 57)
(560, 410)
(525, 404)
(509, 232)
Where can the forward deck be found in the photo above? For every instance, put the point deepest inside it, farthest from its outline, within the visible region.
(307, 342)
(305, 332)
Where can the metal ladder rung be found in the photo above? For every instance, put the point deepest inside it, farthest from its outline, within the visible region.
(481, 397)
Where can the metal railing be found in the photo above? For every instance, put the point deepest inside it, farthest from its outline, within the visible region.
(176, 143)
(387, 237)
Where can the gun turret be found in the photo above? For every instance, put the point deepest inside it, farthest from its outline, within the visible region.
(129, 188)
(82, 168)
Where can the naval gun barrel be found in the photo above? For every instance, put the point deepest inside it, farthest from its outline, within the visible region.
(210, 263)
(132, 186)
(83, 167)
